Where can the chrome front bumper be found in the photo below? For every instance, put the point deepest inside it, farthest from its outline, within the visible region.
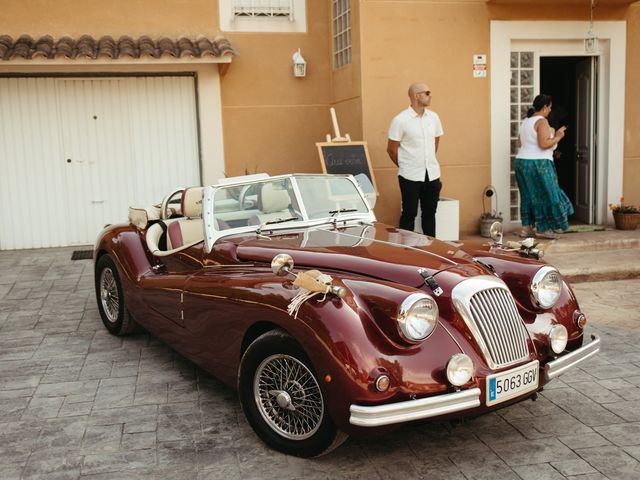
(378, 415)
(409, 410)
(570, 360)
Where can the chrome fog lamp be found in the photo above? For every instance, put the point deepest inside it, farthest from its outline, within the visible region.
(558, 338)
(546, 286)
(459, 369)
(417, 317)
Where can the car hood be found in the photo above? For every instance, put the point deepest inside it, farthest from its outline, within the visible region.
(377, 251)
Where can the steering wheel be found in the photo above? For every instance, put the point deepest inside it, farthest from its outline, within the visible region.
(164, 207)
(242, 199)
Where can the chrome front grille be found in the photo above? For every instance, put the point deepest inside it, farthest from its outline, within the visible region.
(490, 312)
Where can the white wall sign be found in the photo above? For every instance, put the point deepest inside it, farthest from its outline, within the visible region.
(479, 65)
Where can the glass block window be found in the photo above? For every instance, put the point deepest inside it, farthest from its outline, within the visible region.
(262, 8)
(341, 33)
(521, 92)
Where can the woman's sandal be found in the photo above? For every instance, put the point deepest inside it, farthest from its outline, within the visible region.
(550, 234)
(526, 233)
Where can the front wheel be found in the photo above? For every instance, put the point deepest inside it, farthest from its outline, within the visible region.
(111, 298)
(282, 399)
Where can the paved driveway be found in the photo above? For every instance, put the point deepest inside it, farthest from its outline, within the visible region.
(76, 402)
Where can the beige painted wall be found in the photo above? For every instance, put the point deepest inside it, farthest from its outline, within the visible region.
(631, 182)
(113, 17)
(272, 119)
(403, 42)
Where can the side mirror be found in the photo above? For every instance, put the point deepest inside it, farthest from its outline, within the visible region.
(496, 232)
(282, 264)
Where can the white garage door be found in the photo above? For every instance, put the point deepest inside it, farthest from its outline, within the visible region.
(76, 152)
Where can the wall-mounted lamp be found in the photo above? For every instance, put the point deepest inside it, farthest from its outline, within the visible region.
(299, 65)
(591, 41)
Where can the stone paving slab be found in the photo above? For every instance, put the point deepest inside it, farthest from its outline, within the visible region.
(78, 403)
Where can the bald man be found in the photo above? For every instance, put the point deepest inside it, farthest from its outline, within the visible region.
(414, 136)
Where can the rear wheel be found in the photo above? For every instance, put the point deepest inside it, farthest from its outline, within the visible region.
(282, 400)
(110, 298)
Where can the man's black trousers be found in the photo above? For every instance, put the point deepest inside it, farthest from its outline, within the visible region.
(428, 194)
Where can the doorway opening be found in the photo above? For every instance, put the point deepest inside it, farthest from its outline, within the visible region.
(572, 83)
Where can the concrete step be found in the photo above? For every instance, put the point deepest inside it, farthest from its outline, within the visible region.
(592, 256)
(593, 265)
(591, 241)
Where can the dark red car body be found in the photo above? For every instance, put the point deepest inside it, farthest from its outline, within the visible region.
(210, 306)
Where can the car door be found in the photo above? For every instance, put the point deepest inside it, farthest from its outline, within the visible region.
(219, 305)
(165, 284)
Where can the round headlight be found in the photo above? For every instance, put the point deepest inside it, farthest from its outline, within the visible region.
(546, 286)
(417, 317)
(558, 338)
(459, 369)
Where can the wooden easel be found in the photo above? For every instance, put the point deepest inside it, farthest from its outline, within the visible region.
(336, 129)
(342, 156)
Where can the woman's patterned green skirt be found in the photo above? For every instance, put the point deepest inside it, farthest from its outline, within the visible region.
(543, 204)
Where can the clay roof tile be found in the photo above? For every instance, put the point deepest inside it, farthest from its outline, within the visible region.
(127, 46)
(65, 47)
(167, 47)
(148, 47)
(43, 47)
(186, 48)
(6, 44)
(88, 47)
(107, 47)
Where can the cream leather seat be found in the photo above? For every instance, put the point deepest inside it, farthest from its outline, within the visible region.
(181, 233)
(273, 205)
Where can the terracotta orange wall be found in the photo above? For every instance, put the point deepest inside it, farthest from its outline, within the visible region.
(113, 17)
(271, 119)
(631, 180)
(405, 41)
(408, 41)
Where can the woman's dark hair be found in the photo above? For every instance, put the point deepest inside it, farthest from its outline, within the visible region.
(539, 102)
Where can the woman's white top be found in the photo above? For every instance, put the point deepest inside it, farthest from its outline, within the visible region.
(530, 149)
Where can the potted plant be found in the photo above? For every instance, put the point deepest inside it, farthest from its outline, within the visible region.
(490, 215)
(626, 217)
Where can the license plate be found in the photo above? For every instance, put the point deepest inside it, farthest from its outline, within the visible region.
(512, 383)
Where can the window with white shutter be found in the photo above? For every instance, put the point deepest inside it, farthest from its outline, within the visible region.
(262, 15)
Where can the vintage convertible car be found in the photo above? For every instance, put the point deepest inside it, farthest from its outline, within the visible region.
(329, 323)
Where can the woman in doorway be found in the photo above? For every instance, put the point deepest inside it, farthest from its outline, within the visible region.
(543, 204)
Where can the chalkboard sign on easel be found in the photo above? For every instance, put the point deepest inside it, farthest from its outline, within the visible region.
(346, 158)
(342, 156)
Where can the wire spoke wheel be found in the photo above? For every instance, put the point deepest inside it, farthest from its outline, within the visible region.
(288, 397)
(109, 295)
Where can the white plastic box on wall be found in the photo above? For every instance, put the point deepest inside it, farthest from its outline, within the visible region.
(447, 219)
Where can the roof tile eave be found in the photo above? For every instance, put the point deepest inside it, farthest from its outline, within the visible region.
(86, 47)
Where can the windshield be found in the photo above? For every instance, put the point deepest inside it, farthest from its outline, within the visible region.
(324, 196)
(255, 204)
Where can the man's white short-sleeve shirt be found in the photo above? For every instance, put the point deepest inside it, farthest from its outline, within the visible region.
(417, 150)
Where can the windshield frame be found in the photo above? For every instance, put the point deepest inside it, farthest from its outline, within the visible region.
(212, 235)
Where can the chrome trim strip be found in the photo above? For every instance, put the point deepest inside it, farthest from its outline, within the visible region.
(570, 360)
(378, 415)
